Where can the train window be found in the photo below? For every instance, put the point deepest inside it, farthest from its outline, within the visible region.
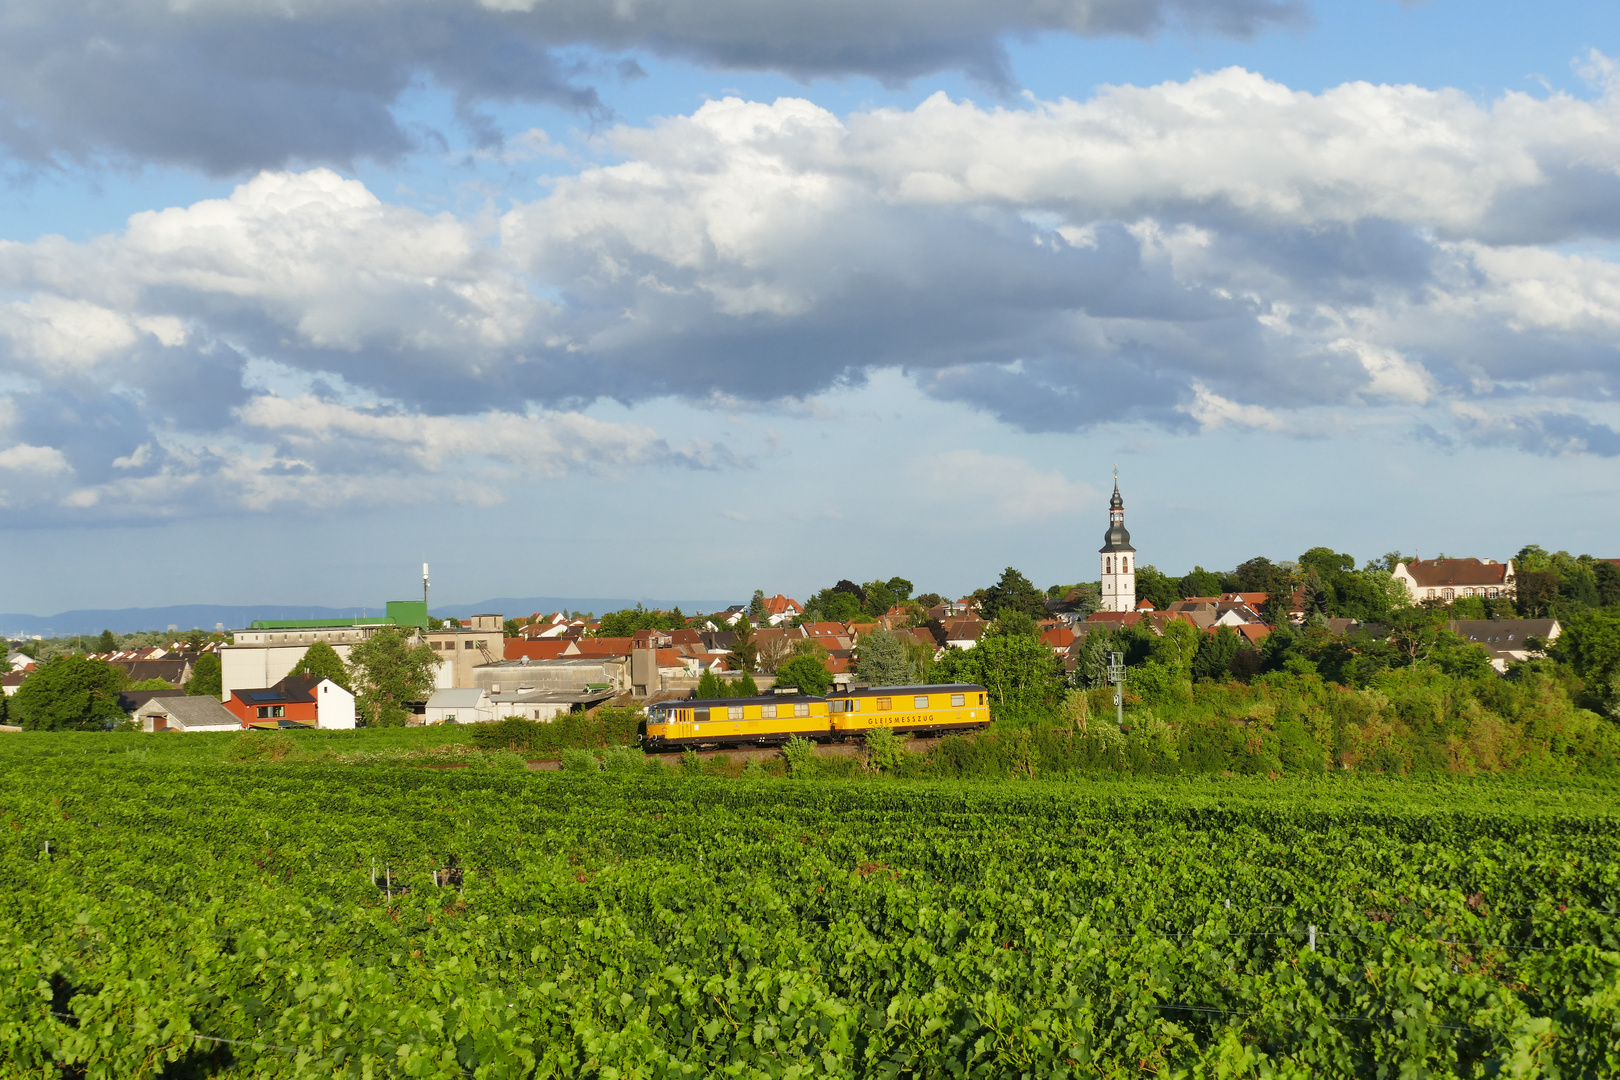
(768, 712)
(801, 708)
(885, 704)
(958, 700)
(981, 699)
(920, 701)
(734, 712)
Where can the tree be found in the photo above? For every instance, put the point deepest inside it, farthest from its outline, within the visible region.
(70, 693)
(807, 673)
(512, 628)
(1020, 673)
(882, 660)
(1536, 591)
(901, 588)
(107, 642)
(1607, 577)
(207, 679)
(1156, 588)
(1260, 574)
(709, 686)
(150, 684)
(1216, 653)
(744, 650)
(1013, 592)
(745, 686)
(322, 660)
(879, 598)
(1590, 644)
(834, 604)
(389, 673)
(756, 607)
(1013, 623)
(1199, 583)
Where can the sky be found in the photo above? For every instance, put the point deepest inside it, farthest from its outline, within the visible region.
(655, 299)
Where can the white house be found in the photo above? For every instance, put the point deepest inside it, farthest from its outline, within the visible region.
(1452, 579)
(460, 705)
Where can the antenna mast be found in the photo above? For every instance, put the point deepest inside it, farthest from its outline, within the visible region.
(424, 589)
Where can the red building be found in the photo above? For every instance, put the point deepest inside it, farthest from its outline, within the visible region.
(305, 700)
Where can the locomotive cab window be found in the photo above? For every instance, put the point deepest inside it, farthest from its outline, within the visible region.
(958, 700)
(981, 699)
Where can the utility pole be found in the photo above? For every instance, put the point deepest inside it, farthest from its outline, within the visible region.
(1116, 676)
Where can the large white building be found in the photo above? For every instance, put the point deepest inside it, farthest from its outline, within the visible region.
(1118, 559)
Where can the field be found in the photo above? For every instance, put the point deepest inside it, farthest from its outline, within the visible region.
(177, 911)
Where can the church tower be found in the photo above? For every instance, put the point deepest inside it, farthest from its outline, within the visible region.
(1118, 558)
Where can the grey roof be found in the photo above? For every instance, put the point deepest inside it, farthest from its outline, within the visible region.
(457, 698)
(191, 711)
(1504, 635)
(553, 697)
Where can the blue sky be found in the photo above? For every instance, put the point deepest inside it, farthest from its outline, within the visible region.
(704, 301)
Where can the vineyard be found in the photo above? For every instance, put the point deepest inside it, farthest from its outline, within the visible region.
(231, 919)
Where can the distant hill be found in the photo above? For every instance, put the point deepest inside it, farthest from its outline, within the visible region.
(236, 616)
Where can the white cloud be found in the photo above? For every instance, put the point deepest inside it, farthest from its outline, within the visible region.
(1225, 250)
(39, 460)
(1212, 411)
(549, 444)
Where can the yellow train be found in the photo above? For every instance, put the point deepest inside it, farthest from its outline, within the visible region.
(772, 719)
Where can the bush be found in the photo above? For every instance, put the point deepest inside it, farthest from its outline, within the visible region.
(624, 759)
(575, 760)
(608, 726)
(691, 762)
(884, 749)
(799, 754)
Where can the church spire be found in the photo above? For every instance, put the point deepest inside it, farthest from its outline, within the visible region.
(1117, 557)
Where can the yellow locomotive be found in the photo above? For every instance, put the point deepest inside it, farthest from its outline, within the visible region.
(913, 710)
(772, 719)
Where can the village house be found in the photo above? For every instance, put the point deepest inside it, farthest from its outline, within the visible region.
(781, 609)
(1507, 641)
(1450, 579)
(185, 712)
(301, 700)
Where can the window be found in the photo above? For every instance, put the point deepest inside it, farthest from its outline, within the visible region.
(801, 708)
(1450, 595)
(465, 645)
(271, 712)
(981, 699)
(734, 712)
(885, 704)
(768, 712)
(1124, 566)
(1491, 593)
(1108, 566)
(920, 701)
(958, 700)
(1431, 594)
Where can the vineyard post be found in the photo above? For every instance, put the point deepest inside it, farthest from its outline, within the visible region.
(1313, 937)
(1116, 676)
